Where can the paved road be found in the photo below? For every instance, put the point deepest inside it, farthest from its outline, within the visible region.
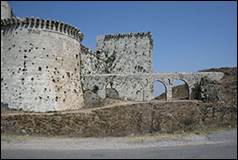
(217, 145)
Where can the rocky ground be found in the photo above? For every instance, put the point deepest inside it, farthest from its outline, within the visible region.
(122, 120)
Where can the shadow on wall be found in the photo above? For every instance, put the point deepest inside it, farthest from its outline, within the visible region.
(92, 100)
(112, 93)
(4, 107)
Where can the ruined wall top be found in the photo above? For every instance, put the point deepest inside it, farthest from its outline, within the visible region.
(102, 38)
(6, 11)
(41, 24)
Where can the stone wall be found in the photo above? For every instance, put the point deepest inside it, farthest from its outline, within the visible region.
(90, 64)
(139, 87)
(114, 67)
(126, 53)
(40, 65)
(120, 53)
(135, 87)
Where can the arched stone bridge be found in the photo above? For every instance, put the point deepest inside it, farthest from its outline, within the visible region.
(139, 87)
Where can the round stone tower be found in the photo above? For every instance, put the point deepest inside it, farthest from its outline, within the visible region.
(6, 11)
(40, 65)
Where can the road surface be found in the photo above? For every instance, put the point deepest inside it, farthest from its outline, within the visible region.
(222, 144)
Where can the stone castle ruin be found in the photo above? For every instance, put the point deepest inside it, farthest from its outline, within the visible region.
(45, 67)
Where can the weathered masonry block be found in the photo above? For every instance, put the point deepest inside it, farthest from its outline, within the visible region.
(90, 63)
(40, 65)
(126, 53)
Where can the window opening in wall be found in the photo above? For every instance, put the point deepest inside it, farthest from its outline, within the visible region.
(27, 24)
(47, 24)
(37, 23)
(159, 91)
(180, 90)
(42, 24)
(56, 26)
(64, 29)
(32, 23)
(95, 89)
(52, 25)
(61, 26)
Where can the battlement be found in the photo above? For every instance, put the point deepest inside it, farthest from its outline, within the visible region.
(41, 24)
(129, 35)
(86, 50)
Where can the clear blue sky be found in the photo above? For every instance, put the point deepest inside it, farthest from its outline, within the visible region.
(188, 36)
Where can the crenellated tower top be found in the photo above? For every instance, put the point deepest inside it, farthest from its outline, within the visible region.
(9, 24)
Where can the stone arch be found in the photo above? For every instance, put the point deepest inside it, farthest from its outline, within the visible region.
(165, 89)
(184, 91)
(111, 92)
